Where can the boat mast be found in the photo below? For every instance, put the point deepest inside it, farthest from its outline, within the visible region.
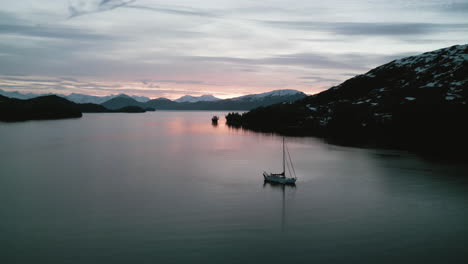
(284, 160)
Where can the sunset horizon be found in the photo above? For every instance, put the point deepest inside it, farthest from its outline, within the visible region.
(136, 91)
(221, 48)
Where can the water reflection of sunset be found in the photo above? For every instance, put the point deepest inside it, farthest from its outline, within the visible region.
(184, 126)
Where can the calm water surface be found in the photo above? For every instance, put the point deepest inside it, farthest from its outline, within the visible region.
(168, 187)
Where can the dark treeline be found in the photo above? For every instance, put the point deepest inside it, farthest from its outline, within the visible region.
(429, 129)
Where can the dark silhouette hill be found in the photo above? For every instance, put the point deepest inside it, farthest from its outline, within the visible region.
(53, 107)
(44, 107)
(417, 102)
(122, 101)
(96, 108)
(93, 108)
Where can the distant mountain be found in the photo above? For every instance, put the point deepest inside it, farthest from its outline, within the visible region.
(187, 102)
(193, 99)
(164, 104)
(252, 101)
(93, 108)
(74, 97)
(54, 107)
(418, 102)
(18, 95)
(44, 107)
(247, 102)
(131, 109)
(122, 101)
(84, 99)
(142, 99)
(269, 95)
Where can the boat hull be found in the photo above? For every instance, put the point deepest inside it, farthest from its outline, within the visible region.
(278, 179)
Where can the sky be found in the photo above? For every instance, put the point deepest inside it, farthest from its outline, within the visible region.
(222, 47)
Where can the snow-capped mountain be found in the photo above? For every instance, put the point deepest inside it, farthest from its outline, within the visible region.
(74, 97)
(141, 99)
(435, 77)
(443, 70)
(83, 98)
(415, 102)
(187, 102)
(250, 97)
(262, 96)
(19, 95)
(208, 103)
(193, 99)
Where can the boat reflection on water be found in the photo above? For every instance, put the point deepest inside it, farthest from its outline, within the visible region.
(279, 186)
(282, 188)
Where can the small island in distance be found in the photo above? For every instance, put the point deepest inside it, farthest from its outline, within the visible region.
(53, 107)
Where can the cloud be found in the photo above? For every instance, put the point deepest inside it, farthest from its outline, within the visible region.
(69, 79)
(68, 85)
(456, 7)
(50, 32)
(320, 39)
(9, 18)
(83, 7)
(177, 81)
(355, 61)
(368, 28)
(173, 11)
(311, 79)
(28, 79)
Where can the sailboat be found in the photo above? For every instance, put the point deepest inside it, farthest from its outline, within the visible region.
(281, 177)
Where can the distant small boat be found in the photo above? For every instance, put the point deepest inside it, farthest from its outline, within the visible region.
(281, 177)
(214, 119)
